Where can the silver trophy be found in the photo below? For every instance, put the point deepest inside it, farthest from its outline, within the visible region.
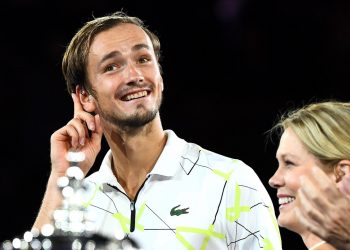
(72, 225)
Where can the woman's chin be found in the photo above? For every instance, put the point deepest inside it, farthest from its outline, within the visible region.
(286, 219)
(289, 222)
(281, 221)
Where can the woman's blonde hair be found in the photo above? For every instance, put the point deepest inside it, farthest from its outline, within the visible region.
(323, 128)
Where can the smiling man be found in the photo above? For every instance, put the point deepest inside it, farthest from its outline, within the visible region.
(152, 186)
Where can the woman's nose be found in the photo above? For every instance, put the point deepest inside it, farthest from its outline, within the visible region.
(276, 180)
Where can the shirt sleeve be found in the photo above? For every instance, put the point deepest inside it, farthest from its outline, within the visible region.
(250, 215)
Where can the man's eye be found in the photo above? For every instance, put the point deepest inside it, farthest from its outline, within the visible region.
(143, 60)
(111, 67)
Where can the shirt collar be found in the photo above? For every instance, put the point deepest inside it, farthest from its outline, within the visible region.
(169, 160)
(167, 164)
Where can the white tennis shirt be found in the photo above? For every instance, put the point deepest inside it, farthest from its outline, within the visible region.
(192, 199)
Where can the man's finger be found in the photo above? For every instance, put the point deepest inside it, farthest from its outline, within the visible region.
(77, 105)
(97, 133)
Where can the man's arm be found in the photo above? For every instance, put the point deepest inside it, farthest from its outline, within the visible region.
(51, 201)
(73, 136)
(254, 224)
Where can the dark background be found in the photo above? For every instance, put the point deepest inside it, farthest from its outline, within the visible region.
(230, 68)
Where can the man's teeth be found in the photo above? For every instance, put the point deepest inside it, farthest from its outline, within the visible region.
(136, 95)
(285, 200)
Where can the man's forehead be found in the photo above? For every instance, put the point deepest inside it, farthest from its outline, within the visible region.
(122, 32)
(122, 36)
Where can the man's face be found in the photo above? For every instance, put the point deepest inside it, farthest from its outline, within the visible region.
(123, 71)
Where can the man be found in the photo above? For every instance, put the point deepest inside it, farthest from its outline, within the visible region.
(153, 187)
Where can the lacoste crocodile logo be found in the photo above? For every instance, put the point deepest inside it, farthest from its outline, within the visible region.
(177, 212)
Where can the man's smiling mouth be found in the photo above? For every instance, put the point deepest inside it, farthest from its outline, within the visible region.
(134, 96)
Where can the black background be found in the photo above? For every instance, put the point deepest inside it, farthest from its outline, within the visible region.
(231, 67)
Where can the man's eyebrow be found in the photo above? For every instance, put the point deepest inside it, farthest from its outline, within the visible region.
(140, 46)
(116, 53)
(111, 54)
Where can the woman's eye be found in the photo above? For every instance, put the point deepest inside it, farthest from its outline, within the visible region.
(288, 163)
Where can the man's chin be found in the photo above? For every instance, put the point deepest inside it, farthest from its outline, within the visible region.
(137, 121)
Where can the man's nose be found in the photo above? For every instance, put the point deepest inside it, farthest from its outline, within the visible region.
(133, 74)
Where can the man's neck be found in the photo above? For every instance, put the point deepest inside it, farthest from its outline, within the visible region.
(134, 155)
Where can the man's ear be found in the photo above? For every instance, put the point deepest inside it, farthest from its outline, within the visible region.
(161, 83)
(342, 169)
(86, 100)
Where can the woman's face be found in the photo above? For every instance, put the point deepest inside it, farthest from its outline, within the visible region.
(293, 161)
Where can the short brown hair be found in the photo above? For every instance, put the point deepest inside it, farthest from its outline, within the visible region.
(75, 57)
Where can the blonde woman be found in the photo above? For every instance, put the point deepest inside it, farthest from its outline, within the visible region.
(310, 199)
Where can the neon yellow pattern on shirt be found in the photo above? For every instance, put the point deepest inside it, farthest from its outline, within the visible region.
(226, 176)
(88, 203)
(207, 232)
(274, 221)
(125, 222)
(140, 213)
(233, 213)
(268, 245)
